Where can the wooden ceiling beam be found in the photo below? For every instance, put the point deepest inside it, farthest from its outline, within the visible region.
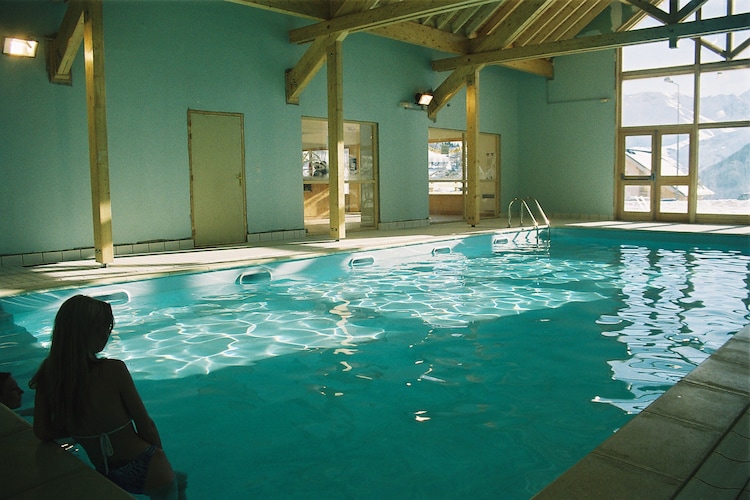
(463, 18)
(61, 52)
(473, 28)
(546, 22)
(378, 17)
(650, 9)
(598, 42)
(344, 7)
(562, 17)
(512, 25)
(449, 88)
(425, 36)
(585, 13)
(308, 66)
(312, 9)
(688, 10)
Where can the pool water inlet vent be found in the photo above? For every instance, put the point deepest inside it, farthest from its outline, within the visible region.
(114, 298)
(253, 277)
(366, 260)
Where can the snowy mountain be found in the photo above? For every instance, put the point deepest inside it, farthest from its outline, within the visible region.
(724, 154)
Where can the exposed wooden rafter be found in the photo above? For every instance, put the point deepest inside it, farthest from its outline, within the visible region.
(311, 9)
(309, 64)
(598, 42)
(378, 17)
(61, 52)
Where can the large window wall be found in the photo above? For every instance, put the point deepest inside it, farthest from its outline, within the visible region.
(684, 136)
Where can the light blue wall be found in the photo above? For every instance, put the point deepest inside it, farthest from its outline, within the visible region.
(567, 136)
(163, 58)
(44, 173)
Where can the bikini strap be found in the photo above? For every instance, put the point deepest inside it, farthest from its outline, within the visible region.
(105, 444)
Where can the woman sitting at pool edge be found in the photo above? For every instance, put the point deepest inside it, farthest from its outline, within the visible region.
(94, 400)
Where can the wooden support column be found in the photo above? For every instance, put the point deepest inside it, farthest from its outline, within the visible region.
(93, 45)
(336, 140)
(472, 148)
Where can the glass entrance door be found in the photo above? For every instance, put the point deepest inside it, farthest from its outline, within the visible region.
(656, 186)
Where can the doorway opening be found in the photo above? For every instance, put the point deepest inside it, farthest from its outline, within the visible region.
(448, 177)
(360, 175)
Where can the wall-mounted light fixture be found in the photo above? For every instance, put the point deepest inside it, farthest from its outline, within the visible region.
(421, 101)
(423, 98)
(20, 47)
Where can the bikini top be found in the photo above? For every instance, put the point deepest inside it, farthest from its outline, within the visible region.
(105, 445)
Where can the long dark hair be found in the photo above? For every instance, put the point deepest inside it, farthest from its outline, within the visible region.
(81, 327)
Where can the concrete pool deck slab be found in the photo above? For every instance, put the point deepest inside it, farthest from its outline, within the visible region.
(692, 442)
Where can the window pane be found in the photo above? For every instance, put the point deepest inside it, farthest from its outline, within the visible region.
(675, 150)
(637, 198)
(367, 204)
(724, 96)
(657, 55)
(363, 169)
(674, 199)
(638, 155)
(446, 160)
(715, 8)
(724, 171)
(315, 164)
(657, 101)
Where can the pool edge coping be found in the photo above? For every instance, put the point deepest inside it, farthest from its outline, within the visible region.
(624, 466)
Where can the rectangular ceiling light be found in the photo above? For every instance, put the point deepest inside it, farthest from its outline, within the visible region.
(20, 47)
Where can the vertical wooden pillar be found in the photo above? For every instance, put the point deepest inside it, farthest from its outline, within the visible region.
(473, 192)
(336, 141)
(93, 45)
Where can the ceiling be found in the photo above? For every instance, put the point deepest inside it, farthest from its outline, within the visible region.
(460, 27)
(521, 34)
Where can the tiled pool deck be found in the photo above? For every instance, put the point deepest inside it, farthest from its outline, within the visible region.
(693, 442)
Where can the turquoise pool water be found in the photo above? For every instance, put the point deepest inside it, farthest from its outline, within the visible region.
(473, 367)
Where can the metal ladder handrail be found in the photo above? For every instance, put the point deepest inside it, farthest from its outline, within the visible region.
(523, 205)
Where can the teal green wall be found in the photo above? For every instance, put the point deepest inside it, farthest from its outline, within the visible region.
(44, 174)
(163, 58)
(567, 137)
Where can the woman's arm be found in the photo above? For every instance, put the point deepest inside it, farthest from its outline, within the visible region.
(44, 427)
(134, 404)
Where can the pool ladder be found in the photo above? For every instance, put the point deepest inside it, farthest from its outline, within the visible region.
(524, 207)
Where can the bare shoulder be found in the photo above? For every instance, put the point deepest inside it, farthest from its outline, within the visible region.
(113, 368)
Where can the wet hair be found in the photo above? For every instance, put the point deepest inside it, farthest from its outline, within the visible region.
(81, 326)
(3, 377)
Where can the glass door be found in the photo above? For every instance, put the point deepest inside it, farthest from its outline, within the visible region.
(360, 175)
(656, 187)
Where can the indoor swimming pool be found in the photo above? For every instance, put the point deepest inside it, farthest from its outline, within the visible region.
(482, 366)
